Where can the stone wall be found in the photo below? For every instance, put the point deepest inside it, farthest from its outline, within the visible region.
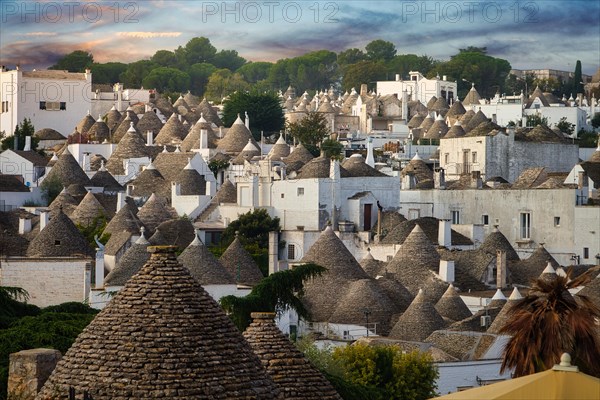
(48, 281)
(29, 370)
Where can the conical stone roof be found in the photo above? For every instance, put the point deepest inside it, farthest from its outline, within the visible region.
(172, 132)
(416, 121)
(203, 265)
(68, 171)
(132, 145)
(130, 263)
(300, 154)
(149, 181)
(503, 317)
(240, 265)
(455, 131)
(456, 110)
(399, 294)
(192, 140)
(149, 122)
(437, 130)
(280, 150)
(122, 129)
(65, 202)
(431, 102)
(104, 179)
(293, 374)
(498, 300)
(427, 123)
(414, 261)
(361, 295)
(418, 322)
(371, 266)
(60, 238)
(466, 117)
(496, 241)
(204, 108)
(88, 210)
(472, 97)
(474, 122)
(191, 182)
(154, 212)
(99, 132)
(323, 294)
(145, 345)
(124, 220)
(236, 138)
(85, 124)
(113, 117)
(452, 306)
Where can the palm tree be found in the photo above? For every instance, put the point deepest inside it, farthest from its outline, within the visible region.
(550, 321)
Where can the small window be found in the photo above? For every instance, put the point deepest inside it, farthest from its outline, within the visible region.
(291, 252)
(586, 253)
(455, 217)
(474, 157)
(42, 105)
(57, 242)
(63, 106)
(300, 191)
(447, 158)
(390, 258)
(282, 195)
(485, 219)
(557, 221)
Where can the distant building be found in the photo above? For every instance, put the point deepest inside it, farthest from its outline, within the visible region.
(51, 99)
(419, 87)
(549, 73)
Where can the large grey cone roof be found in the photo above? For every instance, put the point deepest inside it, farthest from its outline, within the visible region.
(236, 138)
(452, 306)
(497, 241)
(68, 171)
(60, 238)
(503, 316)
(418, 322)
(240, 265)
(296, 378)
(172, 132)
(145, 345)
(132, 145)
(155, 212)
(149, 122)
(203, 265)
(85, 124)
(322, 294)
(399, 295)
(124, 220)
(65, 202)
(129, 264)
(88, 210)
(365, 294)
(415, 260)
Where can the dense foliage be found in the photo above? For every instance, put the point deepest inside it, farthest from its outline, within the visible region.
(24, 326)
(310, 131)
(24, 129)
(253, 228)
(361, 371)
(264, 111)
(277, 292)
(51, 188)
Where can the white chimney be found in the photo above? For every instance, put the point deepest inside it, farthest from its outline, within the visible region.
(247, 120)
(85, 163)
(439, 177)
(397, 77)
(24, 225)
(445, 233)
(273, 252)
(405, 105)
(370, 161)
(27, 143)
(120, 200)
(203, 139)
(444, 78)
(99, 271)
(409, 181)
(447, 271)
(44, 218)
(149, 138)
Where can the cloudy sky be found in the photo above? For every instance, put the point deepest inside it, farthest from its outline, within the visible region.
(529, 34)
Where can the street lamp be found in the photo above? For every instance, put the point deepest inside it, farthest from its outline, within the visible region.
(367, 312)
